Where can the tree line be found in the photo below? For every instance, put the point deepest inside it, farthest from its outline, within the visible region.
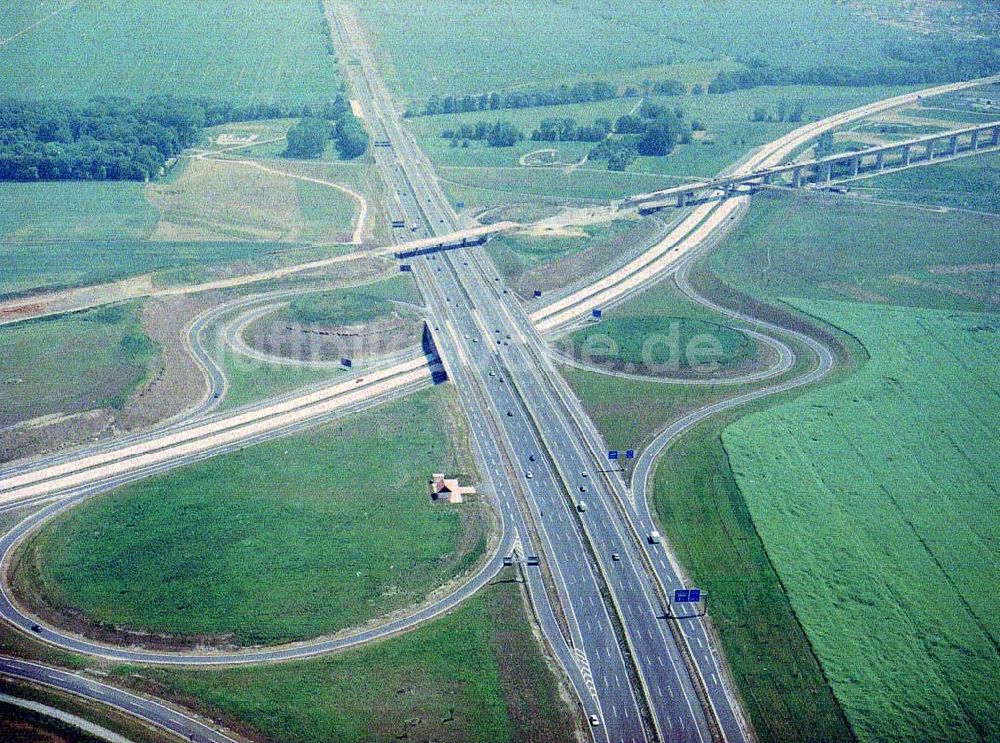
(936, 60)
(112, 138)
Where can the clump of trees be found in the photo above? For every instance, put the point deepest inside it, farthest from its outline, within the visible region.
(782, 111)
(309, 137)
(566, 130)
(496, 134)
(654, 132)
(112, 138)
(102, 139)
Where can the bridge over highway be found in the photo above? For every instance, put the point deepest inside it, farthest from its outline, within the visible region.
(845, 166)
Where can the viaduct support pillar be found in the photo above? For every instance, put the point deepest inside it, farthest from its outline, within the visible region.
(879, 160)
(855, 165)
(995, 139)
(906, 155)
(974, 143)
(953, 145)
(681, 200)
(797, 178)
(826, 174)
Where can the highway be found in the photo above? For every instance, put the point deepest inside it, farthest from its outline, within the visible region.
(170, 719)
(643, 676)
(493, 355)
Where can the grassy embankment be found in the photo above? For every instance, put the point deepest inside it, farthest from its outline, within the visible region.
(73, 363)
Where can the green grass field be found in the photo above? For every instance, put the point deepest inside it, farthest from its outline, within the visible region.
(874, 499)
(817, 247)
(72, 363)
(286, 540)
(969, 183)
(74, 211)
(702, 512)
(238, 50)
(660, 332)
(353, 306)
(491, 186)
(475, 674)
(454, 46)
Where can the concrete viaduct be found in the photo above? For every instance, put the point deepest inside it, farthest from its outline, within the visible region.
(841, 167)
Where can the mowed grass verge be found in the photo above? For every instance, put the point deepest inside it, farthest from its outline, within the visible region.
(875, 500)
(475, 674)
(286, 540)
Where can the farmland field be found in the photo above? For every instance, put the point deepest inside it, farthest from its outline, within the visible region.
(69, 364)
(82, 211)
(875, 500)
(453, 46)
(285, 540)
(867, 253)
(236, 50)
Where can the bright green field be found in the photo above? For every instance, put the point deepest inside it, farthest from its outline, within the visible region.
(475, 674)
(816, 247)
(876, 500)
(285, 540)
(71, 363)
(457, 46)
(239, 50)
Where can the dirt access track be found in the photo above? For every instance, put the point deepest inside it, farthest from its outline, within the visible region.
(74, 300)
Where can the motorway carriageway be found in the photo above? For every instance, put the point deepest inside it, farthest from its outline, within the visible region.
(630, 280)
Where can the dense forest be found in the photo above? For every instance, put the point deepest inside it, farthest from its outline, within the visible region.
(109, 138)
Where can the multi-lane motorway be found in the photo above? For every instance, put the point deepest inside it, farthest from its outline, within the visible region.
(600, 590)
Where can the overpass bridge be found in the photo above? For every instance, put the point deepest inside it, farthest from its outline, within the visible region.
(845, 166)
(460, 239)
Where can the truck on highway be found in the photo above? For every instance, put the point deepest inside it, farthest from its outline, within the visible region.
(654, 537)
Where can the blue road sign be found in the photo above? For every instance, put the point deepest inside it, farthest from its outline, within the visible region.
(612, 455)
(459, 204)
(687, 595)
(630, 454)
(595, 313)
(405, 268)
(345, 362)
(538, 292)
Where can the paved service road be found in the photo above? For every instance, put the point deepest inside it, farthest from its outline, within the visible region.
(170, 719)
